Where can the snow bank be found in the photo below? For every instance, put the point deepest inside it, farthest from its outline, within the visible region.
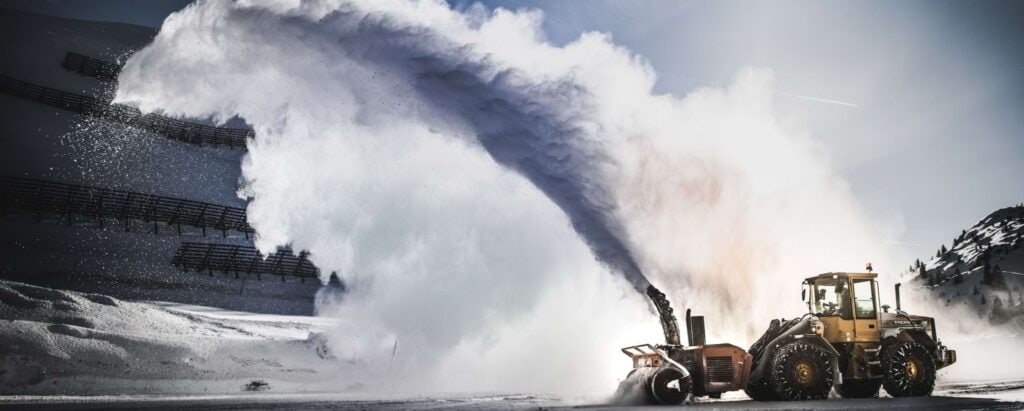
(69, 343)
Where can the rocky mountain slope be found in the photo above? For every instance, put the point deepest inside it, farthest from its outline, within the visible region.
(983, 268)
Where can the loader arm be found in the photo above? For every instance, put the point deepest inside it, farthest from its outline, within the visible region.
(669, 325)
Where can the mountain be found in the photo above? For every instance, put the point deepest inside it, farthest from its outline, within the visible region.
(983, 269)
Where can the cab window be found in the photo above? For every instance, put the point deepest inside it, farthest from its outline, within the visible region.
(864, 299)
(831, 297)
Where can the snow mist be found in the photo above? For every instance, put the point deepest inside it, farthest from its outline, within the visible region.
(474, 186)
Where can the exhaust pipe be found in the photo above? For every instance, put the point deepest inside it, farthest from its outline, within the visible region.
(689, 329)
(898, 308)
(695, 329)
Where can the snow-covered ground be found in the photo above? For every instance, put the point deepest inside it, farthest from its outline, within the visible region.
(70, 350)
(980, 397)
(69, 343)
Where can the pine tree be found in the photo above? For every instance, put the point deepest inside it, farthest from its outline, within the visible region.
(921, 272)
(997, 278)
(998, 314)
(943, 250)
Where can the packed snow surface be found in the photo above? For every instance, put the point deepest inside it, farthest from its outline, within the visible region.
(86, 344)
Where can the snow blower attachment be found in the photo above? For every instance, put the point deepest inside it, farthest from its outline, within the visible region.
(668, 373)
(846, 341)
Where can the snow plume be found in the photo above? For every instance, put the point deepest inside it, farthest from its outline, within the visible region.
(982, 347)
(461, 174)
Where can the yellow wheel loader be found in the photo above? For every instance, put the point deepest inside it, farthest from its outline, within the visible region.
(846, 341)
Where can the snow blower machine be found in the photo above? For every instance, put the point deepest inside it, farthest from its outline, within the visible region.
(668, 373)
(845, 341)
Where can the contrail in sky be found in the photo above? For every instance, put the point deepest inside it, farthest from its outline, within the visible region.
(719, 84)
(823, 100)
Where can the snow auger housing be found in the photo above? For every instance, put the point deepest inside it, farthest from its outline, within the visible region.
(846, 340)
(668, 373)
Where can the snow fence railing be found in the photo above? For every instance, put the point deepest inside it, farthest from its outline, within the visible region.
(199, 134)
(48, 198)
(241, 259)
(101, 70)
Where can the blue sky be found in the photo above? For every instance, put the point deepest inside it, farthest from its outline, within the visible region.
(919, 104)
(934, 142)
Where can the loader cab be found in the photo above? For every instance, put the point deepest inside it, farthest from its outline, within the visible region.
(847, 303)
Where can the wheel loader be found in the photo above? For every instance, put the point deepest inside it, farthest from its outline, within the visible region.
(845, 341)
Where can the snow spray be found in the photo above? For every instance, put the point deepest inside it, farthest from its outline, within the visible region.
(473, 184)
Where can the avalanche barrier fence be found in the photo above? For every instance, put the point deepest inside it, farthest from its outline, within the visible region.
(241, 259)
(47, 198)
(199, 134)
(91, 67)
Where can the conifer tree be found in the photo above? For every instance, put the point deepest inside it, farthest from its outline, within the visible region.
(997, 278)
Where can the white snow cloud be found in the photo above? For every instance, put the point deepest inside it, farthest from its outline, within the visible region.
(461, 174)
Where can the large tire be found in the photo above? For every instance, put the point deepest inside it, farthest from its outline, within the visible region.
(859, 388)
(761, 390)
(802, 371)
(909, 370)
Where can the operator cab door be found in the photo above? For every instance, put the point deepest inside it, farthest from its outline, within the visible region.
(865, 310)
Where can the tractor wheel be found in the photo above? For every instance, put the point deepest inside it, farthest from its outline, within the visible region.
(802, 371)
(909, 370)
(859, 388)
(761, 390)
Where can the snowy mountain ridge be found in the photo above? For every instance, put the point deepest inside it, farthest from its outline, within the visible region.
(983, 269)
